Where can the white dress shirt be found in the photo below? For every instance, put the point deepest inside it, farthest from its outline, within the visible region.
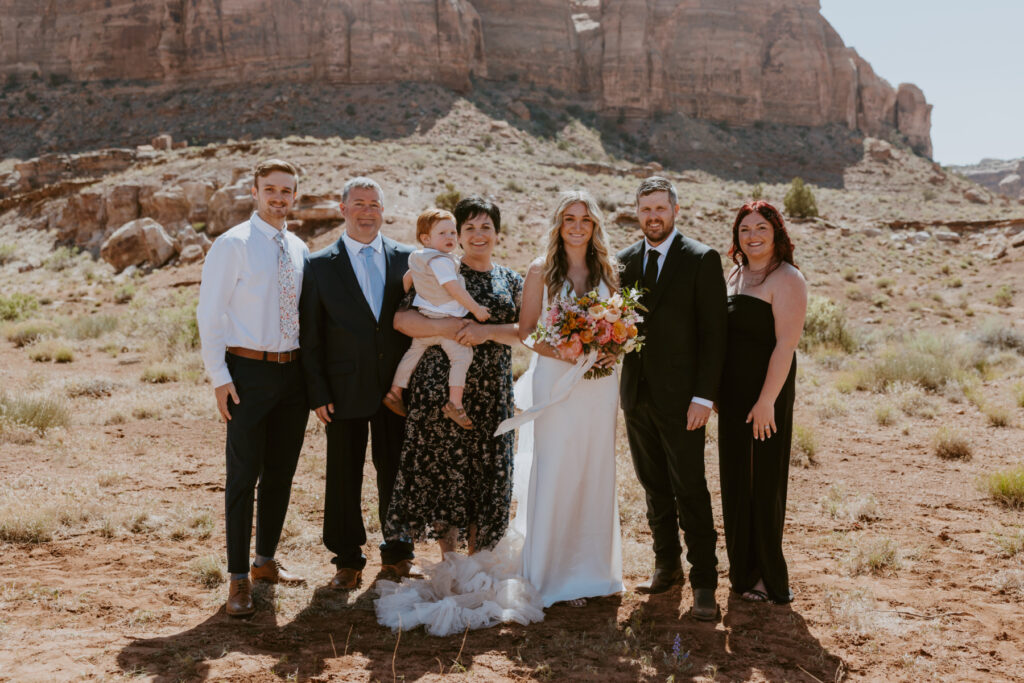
(353, 247)
(239, 294)
(662, 250)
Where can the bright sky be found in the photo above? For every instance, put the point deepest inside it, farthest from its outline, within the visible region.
(965, 56)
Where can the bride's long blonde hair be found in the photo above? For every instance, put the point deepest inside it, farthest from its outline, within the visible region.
(601, 265)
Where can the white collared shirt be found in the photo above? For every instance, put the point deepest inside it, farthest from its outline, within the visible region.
(662, 250)
(238, 295)
(353, 247)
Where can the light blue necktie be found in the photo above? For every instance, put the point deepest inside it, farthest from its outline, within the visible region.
(375, 278)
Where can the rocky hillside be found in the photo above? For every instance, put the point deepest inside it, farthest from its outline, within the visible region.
(1003, 177)
(740, 62)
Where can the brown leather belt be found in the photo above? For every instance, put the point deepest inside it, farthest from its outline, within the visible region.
(271, 356)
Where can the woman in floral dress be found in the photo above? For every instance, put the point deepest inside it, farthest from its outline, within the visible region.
(455, 485)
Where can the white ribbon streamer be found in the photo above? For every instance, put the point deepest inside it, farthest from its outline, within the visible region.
(559, 392)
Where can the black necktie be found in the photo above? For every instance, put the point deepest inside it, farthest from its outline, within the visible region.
(651, 271)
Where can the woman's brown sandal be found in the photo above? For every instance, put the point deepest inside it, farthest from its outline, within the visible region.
(457, 415)
(395, 404)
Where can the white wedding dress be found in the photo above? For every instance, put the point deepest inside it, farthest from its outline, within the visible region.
(564, 542)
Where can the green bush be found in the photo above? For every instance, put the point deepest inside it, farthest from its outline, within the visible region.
(90, 326)
(61, 259)
(825, 325)
(17, 306)
(1006, 487)
(799, 200)
(7, 253)
(449, 198)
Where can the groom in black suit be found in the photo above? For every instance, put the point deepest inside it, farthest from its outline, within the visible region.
(350, 352)
(668, 388)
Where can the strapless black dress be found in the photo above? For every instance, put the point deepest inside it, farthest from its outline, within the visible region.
(754, 473)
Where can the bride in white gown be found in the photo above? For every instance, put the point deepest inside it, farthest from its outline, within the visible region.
(565, 543)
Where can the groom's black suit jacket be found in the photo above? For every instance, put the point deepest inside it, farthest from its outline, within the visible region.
(348, 356)
(685, 326)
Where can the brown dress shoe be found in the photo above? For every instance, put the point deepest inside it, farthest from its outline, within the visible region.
(239, 602)
(272, 572)
(662, 579)
(346, 579)
(404, 569)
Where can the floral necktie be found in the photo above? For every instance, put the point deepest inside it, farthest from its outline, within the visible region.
(287, 292)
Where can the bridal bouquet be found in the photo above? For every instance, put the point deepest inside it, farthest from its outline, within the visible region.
(575, 326)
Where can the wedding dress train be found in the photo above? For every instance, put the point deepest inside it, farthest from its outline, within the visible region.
(564, 542)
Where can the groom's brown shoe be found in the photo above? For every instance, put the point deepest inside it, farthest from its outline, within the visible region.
(662, 579)
(239, 602)
(402, 569)
(346, 579)
(272, 572)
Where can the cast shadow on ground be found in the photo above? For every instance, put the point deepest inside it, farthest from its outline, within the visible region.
(338, 632)
(759, 640)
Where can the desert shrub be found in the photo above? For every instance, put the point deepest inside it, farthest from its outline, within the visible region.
(1010, 581)
(831, 407)
(885, 414)
(25, 523)
(160, 373)
(1006, 487)
(124, 293)
(48, 350)
(799, 200)
(912, 400)
(805, 445)
(1003, 298)
(884, 282)
(838, 505)
(996, 335)
(28, 332)
(849, 274)
(7, 253)
(875, 556)
(62, 258)
(94, 387)
(173, 324)
(40, 413)
(825, 325)
(998, 415)
(927, 360)
(1018, 394)
(90, 326)
(449, 198)
(757, 192)
(950, 444)
(17, 306)
(1012, 543)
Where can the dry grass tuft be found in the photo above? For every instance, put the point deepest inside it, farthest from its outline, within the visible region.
(207, 571)
(1010, 582)
(998, 415)
(90, 326)
(805, 446)
(28, 332)
(885, 414)
(876, 556)
(912, 400)
(951, 444)
(1011, 543)
(160, 373)
(94, 387)
(838, 505)
(48, 350)
(39, 413)
(22, 522)
(1006, 487)
(927, 360)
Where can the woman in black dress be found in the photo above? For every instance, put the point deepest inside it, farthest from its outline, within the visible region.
(767, 304)
(455, 484)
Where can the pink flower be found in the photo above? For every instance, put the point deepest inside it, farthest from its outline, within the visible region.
(570, 350)
(604, 333)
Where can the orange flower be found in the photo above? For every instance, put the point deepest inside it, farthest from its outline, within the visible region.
(632, 331)
(586, 335)
(619, 333)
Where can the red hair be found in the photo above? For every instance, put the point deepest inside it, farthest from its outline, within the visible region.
(783, 244)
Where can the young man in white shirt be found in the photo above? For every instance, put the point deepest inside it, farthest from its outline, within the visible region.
(248, 318)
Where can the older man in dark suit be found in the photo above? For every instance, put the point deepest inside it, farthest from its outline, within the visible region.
(350, 352)
(668, 388)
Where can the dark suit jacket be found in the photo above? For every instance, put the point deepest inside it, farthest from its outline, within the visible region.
(685, 326)
(348, 356)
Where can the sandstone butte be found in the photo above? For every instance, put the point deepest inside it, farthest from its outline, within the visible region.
(737, 61)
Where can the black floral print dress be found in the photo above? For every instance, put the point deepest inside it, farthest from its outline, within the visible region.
(450, 477)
